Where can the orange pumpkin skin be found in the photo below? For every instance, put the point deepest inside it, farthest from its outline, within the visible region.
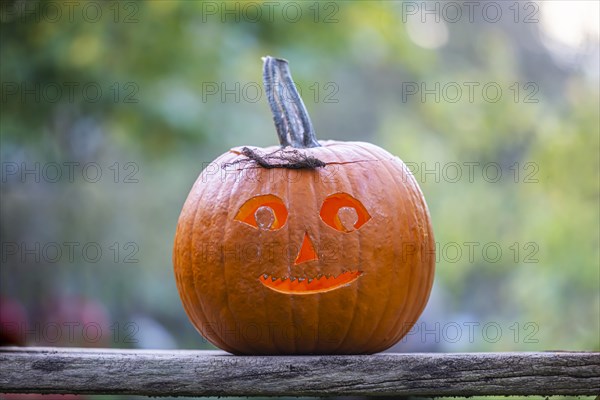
(369, 280)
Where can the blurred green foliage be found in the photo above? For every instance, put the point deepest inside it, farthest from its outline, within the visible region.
(166, 56)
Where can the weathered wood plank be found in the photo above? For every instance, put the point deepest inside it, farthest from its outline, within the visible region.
(213, 373)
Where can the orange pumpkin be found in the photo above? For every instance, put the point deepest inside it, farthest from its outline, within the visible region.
(308, 248)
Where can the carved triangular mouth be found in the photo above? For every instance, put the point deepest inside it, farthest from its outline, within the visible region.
(303, 285)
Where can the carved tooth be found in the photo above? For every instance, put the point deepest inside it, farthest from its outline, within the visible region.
(310, 280)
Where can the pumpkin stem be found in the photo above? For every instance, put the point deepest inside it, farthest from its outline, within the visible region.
(289, 113)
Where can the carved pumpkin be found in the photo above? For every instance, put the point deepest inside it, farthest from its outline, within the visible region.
(308, 248)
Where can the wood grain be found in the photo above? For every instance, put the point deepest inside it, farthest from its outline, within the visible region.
(213, 373)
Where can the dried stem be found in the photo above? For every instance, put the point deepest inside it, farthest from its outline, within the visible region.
(289, 113)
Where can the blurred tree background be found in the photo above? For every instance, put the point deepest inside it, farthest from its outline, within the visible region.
(147, 93)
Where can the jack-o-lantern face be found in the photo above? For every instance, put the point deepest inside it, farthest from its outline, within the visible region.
(308, 248)
(340, 211)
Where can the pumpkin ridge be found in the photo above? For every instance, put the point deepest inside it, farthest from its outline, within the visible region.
(292, 303)
(413, 294)
(368, 345)
(221, 233)
(426, 280)
(232, 345)
(349, 324)
(317, 237)
(203, 315)
(230, 225)
(405, 303)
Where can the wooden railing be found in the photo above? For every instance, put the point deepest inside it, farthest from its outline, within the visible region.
(213, 373)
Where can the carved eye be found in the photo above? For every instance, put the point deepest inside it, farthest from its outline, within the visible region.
(343, 212)
(263, 212)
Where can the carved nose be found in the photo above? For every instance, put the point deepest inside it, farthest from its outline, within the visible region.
(307, 251)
